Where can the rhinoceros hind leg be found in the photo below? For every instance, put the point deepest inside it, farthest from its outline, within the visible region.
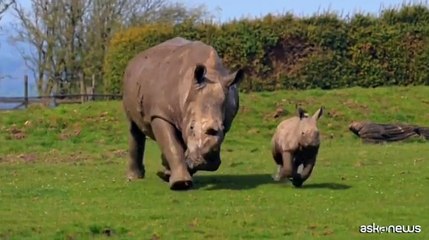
(172, 149)
(164, 175)
(277, 175)
(285, 167)
(136, 145)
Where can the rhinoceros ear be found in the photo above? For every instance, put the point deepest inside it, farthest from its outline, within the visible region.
(301, 113)
(318, 113)
(199, 73)
(235, 77)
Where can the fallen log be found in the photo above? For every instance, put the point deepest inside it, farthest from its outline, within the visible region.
(380, 132)
(423, 131)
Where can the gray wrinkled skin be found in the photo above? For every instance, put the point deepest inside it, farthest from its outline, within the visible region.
(296, 143)
(179, 94)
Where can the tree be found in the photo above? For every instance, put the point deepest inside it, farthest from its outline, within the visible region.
(69, 38)
(174, 13)
(4, 5)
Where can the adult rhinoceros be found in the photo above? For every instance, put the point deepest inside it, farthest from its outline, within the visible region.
(179, 94)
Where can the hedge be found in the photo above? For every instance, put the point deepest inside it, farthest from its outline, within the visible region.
(287, 52)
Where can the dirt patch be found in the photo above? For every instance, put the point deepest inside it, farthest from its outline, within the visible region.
(193, 223)
(362, 108)
(21, 158)
(327, 232)
(31, 157)
(253, 131)
(75, 157)
(109, 156)
(303, 103)
(107, 232)
(69, 133)
(101, 118)
(244, 109)
(329, 136)
(359, 164)
(279, 112)
(335, 114)
(15, 133)
(53, 156)
(312, 226)
(155, 237)
(120, 153)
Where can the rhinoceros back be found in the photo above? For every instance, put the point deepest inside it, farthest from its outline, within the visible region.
(157, 80)
(286, 135)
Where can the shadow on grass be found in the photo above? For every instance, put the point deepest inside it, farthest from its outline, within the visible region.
(249, 181)
(232, 182)
(332, 186)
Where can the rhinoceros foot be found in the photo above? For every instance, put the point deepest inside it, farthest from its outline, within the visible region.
(276, 177)
(297, 182)
(165, 174)
(180, 180)
(135, 174)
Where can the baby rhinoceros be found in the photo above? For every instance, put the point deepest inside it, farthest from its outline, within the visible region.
(295, 142)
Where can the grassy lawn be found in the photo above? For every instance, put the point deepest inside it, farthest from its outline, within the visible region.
(62, 175)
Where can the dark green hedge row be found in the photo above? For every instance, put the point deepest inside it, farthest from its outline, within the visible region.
(286, 52)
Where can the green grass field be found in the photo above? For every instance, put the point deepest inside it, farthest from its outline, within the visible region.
(62, 175)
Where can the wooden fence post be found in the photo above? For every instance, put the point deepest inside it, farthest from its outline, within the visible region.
(26, 91)
(82, 87)
(93, 87)
(54, 94)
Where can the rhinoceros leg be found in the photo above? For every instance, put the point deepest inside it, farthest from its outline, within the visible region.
(278, 159)
(136, 144)
(164, 174)
(285, 168)
(299, 179)
(172, 149)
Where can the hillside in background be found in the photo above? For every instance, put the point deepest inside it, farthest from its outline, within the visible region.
(92, 125)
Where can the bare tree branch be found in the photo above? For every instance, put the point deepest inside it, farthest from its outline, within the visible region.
(4, 6)
(70, 37)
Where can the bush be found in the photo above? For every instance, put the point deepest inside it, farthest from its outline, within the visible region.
(286, 52)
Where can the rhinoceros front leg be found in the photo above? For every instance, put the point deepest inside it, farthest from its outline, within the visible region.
(299, 179)
(172, 149)
(166, 172)
(136, 145)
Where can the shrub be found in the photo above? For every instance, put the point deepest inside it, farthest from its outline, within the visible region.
(279, 52)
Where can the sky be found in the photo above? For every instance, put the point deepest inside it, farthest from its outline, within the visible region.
(11, 62)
